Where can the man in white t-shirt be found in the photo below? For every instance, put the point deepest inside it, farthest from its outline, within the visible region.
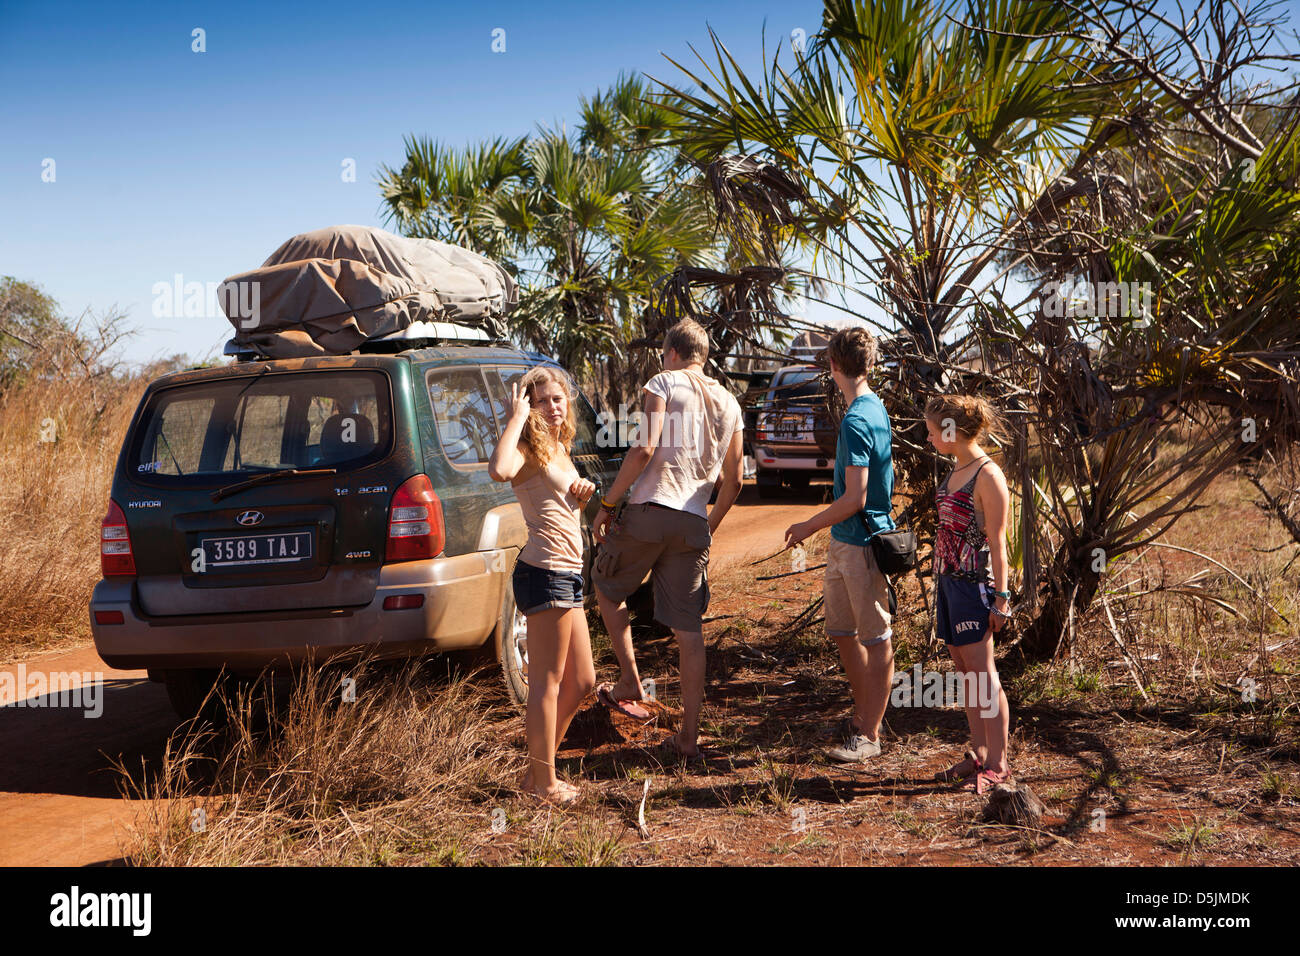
(690, 433)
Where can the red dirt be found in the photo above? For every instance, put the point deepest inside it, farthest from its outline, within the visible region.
(59, 804)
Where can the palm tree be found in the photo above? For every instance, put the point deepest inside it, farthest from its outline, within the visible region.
(587, 222)
(930, 151)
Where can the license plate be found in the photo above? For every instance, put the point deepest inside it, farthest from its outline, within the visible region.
(283, 547)
(790, 427)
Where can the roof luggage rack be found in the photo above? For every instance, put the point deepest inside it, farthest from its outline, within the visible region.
(417, 335)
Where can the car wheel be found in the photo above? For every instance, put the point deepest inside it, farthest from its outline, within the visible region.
(512, 650)
(769, 483)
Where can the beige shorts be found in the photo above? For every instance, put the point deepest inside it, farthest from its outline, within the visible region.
(856, 595)
(673, 548)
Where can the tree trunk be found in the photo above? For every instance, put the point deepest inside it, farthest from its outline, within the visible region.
(1042, 637)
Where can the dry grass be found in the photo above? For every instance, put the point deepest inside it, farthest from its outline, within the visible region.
(53, 494)
(419, 770)
(409, 771)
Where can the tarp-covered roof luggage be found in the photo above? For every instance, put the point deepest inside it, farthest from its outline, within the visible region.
(328, 291)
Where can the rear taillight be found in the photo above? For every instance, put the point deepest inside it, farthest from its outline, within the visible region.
(115, 555)
(415, 526)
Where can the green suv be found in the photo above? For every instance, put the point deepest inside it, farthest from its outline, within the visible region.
(266, 512)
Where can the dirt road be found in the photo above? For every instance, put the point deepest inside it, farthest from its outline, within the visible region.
(59, 803)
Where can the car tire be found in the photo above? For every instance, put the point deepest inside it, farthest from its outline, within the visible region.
(511, 642)
(769, 483)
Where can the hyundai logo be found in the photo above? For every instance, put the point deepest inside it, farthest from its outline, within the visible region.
(250, 518)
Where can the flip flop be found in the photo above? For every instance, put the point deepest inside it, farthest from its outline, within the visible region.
(986, 780)
(629, 708)
(952, 775)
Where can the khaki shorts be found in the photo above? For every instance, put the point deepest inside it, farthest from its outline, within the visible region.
(856, 595)
(673, 548)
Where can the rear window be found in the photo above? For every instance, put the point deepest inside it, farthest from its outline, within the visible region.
(241, 426)
(796, 387)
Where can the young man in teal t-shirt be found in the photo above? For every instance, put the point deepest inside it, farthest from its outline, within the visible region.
(855, 592)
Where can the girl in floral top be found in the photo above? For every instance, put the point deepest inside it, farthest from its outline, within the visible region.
(970, 565)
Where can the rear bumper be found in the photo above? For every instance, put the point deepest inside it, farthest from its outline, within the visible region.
(779, 459)
(462, 601)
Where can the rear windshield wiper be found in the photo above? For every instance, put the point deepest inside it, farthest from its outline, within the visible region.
(239, 486)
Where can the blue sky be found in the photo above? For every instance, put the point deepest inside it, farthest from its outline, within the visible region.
(167, 161)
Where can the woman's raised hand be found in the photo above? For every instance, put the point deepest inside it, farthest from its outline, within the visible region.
(582, 489)
(520, 404)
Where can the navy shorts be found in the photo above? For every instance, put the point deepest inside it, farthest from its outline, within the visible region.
(962, 608)
(540, 589)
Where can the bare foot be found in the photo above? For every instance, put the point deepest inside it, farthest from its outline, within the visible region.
(674, 745)
(562, 793)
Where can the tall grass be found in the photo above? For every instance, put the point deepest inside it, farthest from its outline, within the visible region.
(56, 463)
(408, 772)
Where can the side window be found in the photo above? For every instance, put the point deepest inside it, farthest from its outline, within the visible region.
(176, 438)
(584, 442)
(499, 381)
(463, 409)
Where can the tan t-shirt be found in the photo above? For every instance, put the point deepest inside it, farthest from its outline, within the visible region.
(551, 514)
(700, 418)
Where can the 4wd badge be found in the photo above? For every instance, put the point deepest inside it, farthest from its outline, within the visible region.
(249, 518)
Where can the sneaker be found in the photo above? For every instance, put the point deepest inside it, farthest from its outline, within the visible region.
(853, 747)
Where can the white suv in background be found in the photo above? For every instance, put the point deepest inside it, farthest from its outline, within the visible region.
(794, 440)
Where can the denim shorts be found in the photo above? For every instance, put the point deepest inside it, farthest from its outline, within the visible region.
(540, 589)
(962, 610)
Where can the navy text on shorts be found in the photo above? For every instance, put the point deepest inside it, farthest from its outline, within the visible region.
(962, 609)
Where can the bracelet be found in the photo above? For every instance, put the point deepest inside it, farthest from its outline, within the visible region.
(1002, 594)
(999, 613)
(606, 505)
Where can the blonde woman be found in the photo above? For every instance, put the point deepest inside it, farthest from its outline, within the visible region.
(970, 568)
(533, 455)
